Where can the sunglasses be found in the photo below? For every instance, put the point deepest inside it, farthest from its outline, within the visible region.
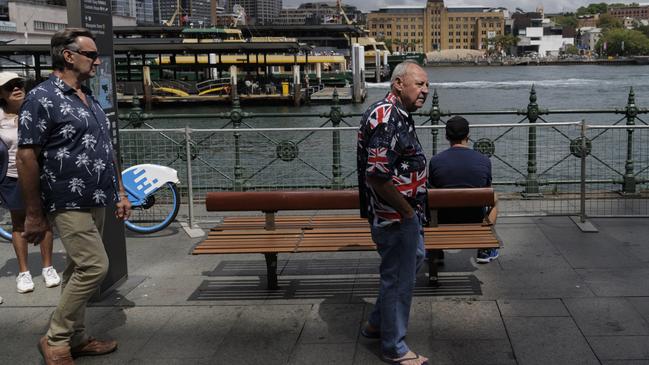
(93, 55)
(12, 84)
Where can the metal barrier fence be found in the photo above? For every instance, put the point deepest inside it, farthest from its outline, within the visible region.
(539, 167)
(282, 158)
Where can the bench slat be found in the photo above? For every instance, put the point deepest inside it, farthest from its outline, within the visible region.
(255, 232)
(273, 201)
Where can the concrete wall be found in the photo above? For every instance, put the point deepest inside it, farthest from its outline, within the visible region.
(27, 15)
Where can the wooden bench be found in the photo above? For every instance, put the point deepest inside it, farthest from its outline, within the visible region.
(271, 234)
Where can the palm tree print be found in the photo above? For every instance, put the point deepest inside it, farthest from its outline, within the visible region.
(42, 125)
(88, 141)
(61, 154)
(67, 109)
(37, 89)
(83, 114)
(25, 118)
(67, 131)
(71, 205)
(46, 103)
(76, 185)
(98, 166)
(48, 176)
(83, 160)
(99, 196)
(59, 83)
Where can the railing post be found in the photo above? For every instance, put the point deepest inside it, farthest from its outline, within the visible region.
(235, 117)
(531, 181)
(336, 117)
(135, 115)
(190, 185)
(629, 184)
(435, 116)
(582, 181)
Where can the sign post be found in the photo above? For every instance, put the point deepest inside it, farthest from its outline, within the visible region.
(96, 16)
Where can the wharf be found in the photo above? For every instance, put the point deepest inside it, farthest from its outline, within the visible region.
(554, 296)
(326, 94)
(128, 99)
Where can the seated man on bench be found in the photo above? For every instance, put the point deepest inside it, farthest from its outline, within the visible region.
(462, 167)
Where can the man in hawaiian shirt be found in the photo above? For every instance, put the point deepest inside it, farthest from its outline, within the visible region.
(67, 170)
(392, 184)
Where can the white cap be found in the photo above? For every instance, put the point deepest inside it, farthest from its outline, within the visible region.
(6, 76)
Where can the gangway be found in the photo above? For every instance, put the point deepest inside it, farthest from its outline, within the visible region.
(175, 87)
(214, 86)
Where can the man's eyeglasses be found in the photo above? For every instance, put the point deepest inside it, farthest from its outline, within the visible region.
(93, 55)
(12, 84)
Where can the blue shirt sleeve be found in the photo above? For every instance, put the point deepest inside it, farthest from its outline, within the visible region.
(34, 123)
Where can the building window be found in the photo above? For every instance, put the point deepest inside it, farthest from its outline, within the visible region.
(39, 25)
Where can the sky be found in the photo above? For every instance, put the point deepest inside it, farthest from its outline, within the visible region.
(550, 6)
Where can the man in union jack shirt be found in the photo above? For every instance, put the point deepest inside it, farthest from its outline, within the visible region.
(392, 184)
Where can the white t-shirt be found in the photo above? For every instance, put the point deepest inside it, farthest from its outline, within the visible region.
(9, 135)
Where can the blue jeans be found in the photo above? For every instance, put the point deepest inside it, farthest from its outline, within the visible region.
(401, 247)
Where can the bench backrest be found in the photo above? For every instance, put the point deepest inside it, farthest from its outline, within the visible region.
(273, 201)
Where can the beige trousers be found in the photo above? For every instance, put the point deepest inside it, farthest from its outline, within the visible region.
(87, 265)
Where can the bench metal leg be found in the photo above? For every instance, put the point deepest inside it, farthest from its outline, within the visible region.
(432, 270)
(271, 271)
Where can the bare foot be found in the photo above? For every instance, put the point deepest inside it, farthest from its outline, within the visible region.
(409, 359)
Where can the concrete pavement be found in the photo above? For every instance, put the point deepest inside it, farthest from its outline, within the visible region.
(555, 296)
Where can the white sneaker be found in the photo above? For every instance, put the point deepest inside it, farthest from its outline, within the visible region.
(51, 278)
(0, 300)
(24, 283)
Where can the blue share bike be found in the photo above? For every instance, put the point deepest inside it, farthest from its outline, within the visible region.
(152, 191)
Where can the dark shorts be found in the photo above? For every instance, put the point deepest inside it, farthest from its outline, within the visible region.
(10, 194)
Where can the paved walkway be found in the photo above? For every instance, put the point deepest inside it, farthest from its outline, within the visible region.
(555, 296)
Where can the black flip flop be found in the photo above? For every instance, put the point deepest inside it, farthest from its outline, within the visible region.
(401, 361)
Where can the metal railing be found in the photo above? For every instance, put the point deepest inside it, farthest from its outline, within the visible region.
(540, 167)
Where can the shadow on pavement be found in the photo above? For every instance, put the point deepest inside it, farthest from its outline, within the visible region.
(10, 268)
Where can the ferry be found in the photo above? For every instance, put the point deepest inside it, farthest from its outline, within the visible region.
(198, 64)
(372, 48)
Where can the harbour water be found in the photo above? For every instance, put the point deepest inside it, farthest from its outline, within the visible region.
(290, 159)
(462, 89)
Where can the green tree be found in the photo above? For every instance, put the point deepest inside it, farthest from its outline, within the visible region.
(608, 21)
(571, 49)
(644, 29)
(623, 42)
(596, 8)
(504, 42)
(566, 20)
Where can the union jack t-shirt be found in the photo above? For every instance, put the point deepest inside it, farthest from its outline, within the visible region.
(388, 148)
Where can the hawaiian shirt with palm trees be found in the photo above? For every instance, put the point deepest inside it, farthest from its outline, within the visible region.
(76, 158)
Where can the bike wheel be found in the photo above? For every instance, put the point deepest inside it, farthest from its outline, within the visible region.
(5, 224)
(157, 213)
